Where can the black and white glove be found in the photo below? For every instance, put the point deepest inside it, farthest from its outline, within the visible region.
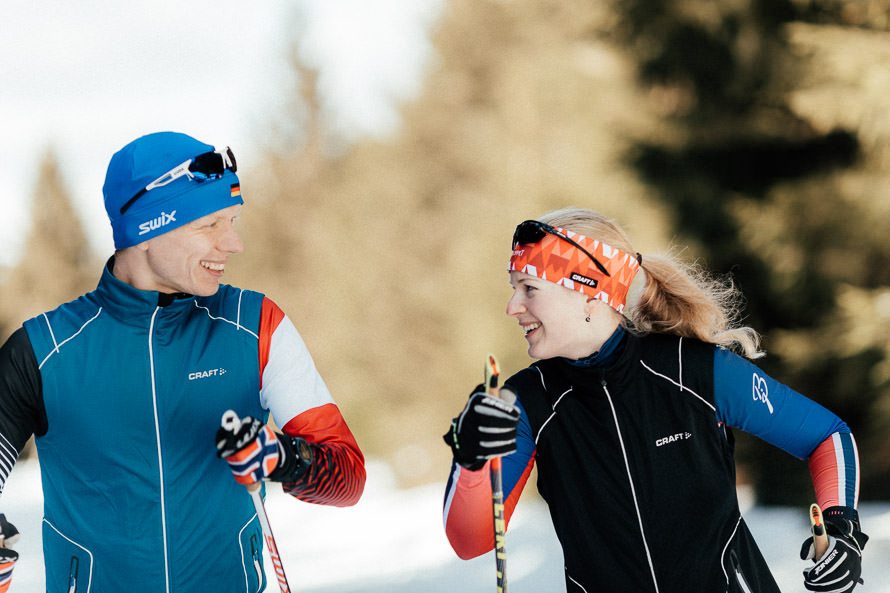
(840, 567)
(8, 557)
(485, 428)
(254, 451)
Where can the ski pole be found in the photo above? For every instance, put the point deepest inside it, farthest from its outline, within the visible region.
(497, 487)
(820, 538)
(230, 421)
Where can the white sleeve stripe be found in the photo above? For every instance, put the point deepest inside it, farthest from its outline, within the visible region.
(841, 467)
(290, 382)
(449, 496)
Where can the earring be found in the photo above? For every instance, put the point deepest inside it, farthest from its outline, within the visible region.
(587, 319)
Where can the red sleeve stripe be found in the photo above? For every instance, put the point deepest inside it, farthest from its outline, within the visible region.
(834, 467)
(270, 316)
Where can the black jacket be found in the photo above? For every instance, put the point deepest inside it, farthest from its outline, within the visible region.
(638, 473)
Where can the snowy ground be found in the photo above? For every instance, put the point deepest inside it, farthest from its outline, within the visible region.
(393, 542)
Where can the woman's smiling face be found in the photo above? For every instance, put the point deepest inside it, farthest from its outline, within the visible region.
(553, 318)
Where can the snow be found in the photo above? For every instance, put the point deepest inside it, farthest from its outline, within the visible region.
(393, 541)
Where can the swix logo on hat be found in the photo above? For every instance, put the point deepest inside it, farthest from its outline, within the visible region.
(558, 261)
(156, 223)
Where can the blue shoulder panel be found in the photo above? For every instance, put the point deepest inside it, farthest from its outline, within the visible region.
(749, 399)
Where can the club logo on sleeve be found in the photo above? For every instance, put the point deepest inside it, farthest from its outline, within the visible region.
(208, 373)
(761, 391)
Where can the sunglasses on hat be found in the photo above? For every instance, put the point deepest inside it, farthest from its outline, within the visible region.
(530, 232)
(209, 165)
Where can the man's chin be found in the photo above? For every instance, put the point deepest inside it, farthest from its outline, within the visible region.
(206, 291)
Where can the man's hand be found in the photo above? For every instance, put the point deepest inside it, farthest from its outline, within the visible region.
(8, 557)
(255, 452)
(251, 449)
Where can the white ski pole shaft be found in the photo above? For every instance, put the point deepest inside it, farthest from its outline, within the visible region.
(231, 421)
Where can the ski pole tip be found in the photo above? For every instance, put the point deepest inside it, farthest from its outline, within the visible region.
(491, 372)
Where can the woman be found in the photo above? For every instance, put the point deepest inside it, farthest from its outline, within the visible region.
(627, 414)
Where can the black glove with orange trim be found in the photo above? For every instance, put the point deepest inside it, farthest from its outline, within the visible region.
(8, 557)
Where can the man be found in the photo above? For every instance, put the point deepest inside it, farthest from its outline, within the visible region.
(125, 388)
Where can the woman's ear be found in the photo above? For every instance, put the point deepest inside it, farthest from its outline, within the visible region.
(594, 307)
(591, 304)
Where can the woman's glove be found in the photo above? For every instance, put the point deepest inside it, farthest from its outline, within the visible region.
(840, 567)
(485, 428)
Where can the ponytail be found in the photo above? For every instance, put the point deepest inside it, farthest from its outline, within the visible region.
(682, 299)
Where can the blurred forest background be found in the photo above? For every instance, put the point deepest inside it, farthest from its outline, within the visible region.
(754, 135)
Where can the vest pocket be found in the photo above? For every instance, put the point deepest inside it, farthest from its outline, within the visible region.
(251, 543)
(68, 564)
(740, 583)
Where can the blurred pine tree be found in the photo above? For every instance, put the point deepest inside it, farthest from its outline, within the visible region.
(56, 265)
(777, 186)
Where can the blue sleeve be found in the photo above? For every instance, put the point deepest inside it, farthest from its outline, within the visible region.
(515, 465)
(749, 399)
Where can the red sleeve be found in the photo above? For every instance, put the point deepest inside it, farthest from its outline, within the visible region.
(337, 474)
(468, 512)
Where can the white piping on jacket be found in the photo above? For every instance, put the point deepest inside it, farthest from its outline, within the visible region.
(154, 403)
(59, 345)
(633, 490)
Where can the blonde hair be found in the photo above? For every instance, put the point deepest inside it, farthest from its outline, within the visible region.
(677, 298)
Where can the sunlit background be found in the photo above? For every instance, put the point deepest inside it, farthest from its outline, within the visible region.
(387, 149)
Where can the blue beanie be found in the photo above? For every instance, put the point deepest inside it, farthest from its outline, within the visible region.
(167, 207)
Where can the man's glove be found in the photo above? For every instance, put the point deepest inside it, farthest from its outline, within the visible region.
(8, 557)
(254, 452)
(840, 567)
(485, 428)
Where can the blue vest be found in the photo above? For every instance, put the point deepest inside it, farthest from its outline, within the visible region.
(135, 497)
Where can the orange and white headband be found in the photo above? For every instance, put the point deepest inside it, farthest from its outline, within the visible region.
(574, 261)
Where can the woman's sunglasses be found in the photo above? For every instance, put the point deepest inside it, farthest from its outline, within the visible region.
(532, 231)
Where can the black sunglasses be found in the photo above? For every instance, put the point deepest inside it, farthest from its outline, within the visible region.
(532, 231)
(205, 166)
